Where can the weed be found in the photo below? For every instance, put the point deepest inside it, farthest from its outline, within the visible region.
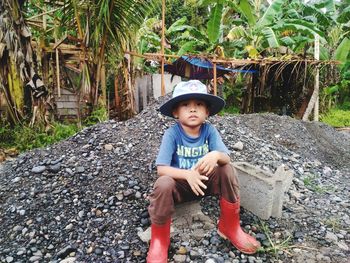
(311, 182)
(337, 117)
(26, 138)
(274, 246)
(333, 223)
(98, 115)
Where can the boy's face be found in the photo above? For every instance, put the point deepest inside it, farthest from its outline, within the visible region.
(191, 113)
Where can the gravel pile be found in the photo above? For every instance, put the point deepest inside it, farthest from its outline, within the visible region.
(85, 199)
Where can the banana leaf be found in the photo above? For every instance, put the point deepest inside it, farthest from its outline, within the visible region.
(213, 26)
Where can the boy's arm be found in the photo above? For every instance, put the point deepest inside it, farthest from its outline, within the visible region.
(193, 177)
(206, 165)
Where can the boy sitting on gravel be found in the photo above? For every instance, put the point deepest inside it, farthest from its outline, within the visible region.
(193, 162)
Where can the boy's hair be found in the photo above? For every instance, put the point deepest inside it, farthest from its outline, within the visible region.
(193, 89)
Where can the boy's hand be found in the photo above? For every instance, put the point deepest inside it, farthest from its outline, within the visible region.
(207, 164)
(194, 179)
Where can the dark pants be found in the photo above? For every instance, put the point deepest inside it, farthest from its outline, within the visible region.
(168, 192)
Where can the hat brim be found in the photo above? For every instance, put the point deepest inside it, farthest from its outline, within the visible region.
(215, 103)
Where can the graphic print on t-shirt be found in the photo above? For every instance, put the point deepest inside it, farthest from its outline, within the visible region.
(189, 156)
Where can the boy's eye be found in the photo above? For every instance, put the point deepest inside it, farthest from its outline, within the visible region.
(199, 103)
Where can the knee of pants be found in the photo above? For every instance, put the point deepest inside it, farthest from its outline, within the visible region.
(164, 184)
(227, 172)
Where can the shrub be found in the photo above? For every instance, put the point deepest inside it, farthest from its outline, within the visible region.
(337, 117)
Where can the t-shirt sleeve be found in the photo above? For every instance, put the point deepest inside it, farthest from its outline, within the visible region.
(167, 149)
(215, 141)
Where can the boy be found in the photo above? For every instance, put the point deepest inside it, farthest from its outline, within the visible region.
(192, 162)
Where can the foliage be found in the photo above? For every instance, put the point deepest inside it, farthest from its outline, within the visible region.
(26, 138)
(274, 246)
(98, 115)
(231, 110)
(23, 137)
(337, 117)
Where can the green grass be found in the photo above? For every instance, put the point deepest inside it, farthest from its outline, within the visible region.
(311, 183)
(337, 117)
(230, 110)
(26, 138)
(274, 246)
(23, 137)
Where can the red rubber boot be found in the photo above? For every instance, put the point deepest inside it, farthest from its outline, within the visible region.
(229, 228)
(160, 241)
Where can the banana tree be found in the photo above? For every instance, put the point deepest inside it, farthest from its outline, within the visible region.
(15, 57)
(273, 28)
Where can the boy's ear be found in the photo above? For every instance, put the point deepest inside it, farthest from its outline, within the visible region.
(175, 113)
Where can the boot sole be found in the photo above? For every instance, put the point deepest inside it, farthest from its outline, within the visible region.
(226, 238)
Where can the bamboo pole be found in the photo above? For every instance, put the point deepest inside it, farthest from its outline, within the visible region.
(232, 60)
(317, 78)
(116, 94)
(214, 76)
(162, 48)
(315, 94)
(58, 74)
(57, 43)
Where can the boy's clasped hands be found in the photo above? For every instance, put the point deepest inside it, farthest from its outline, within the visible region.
(201, 171)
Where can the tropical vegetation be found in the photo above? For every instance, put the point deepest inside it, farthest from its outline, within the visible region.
(279, 29)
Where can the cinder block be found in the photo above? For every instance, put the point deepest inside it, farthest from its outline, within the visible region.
(262, 192)
(187, 222)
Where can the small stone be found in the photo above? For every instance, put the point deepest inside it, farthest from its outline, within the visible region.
(68, 260)
(38, 169)
(55, 168)
(238, 146)
(98, 212)
(343, 245)
(65, 251)
(108, 147)
(9, 259)
(182, 250)
(69, 226)
(179, 258)
(81, 213)
(16, 179)
(90, 250)
(34, 258)
(80, 169)
(98, 251)
(331, 237)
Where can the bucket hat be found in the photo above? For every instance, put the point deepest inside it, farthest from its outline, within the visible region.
(192, 89)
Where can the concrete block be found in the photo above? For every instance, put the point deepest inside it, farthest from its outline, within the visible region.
(188, 222)
(262, 192)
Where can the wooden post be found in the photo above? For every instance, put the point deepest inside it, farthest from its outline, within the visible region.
(315, 94)
(162, 47)
(116, 94)
(317, 78)
(58, 74)
(214, 76)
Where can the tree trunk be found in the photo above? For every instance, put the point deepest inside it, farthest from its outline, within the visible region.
(16, 60)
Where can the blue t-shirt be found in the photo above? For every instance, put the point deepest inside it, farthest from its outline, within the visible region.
(182, 151)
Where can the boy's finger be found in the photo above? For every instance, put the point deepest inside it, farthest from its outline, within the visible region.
(203, 177)
(200, 191)
(194, 190)
(209, 171)
(202, 185)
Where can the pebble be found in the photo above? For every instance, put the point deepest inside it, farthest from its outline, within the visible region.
(38, 169)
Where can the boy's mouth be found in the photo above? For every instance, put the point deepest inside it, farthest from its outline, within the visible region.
(193, 117)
